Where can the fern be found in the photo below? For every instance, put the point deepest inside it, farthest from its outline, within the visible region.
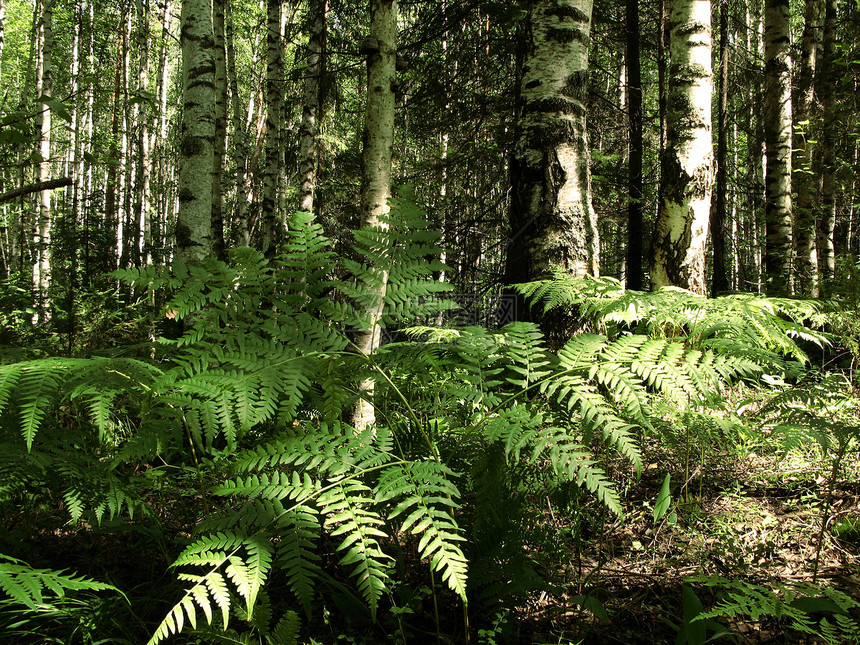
(346, 505)
(764, 330)
(427, 499)
(794, 604)
(220, 554)
(29, 587)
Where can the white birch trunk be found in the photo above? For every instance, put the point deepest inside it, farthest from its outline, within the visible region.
(687, 165)
(777, 132)
(142, 217)
(381, 49)
(44, 224)
(308, 130)
(553, 223)
(194, 220)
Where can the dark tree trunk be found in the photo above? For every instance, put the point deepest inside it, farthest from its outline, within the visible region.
(634, 149)
(720, 279)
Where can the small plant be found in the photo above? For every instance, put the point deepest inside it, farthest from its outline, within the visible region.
(822, 414)
(817, 610)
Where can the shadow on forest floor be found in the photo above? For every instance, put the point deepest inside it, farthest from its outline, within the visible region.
(756, 521)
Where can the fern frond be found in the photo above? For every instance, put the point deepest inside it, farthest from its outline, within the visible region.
(286, 631)
(346, 506)
(526, 352)
(298, 528)
(37, 390)
(427, 496)
(27, 586)
(218, 552)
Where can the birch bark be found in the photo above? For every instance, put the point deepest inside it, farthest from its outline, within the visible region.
(681, 234)
(197, 135)
(378, 143)
(553, 223)
(777, 134)
(311, 104)
(44, 223)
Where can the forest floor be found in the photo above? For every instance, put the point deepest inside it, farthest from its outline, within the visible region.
(756, 519)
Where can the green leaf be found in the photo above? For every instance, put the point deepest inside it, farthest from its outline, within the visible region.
(60, 109)
(664, 500)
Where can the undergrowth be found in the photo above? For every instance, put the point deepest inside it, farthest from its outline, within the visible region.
(238, 423)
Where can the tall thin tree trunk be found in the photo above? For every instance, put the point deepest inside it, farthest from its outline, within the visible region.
(806, 265)
(44, 225)
(218, 245)
(777, 130)
(720, 279)
(755, 157)
(197, 136)
(829, 82)
(240, 130)
(381, 51)
(2, 33)
(127, 162)
(88, 127)
(111, 211)
(662, 45)
(270, 224)
(681, 235)
(311, 104)
(154, 236)
(634, 149)
(141, 217)
(553, 222)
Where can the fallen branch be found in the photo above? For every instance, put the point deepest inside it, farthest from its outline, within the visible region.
(39, 186)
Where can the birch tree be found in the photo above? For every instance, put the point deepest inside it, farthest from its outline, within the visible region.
(681, 235)
(381, 50)
(143, 180)
(311, 104)
(269, 216)
(197, 132)
(45, 86)
(777, 135)
(804, 104)
(553, 223)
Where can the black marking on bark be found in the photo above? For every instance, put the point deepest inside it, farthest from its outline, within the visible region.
(566, 35)
(690, 28)
(576, 85)
(555, 104)
(192, 146)
(568, 12)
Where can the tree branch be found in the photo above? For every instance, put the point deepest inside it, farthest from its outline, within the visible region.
(39, 186)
